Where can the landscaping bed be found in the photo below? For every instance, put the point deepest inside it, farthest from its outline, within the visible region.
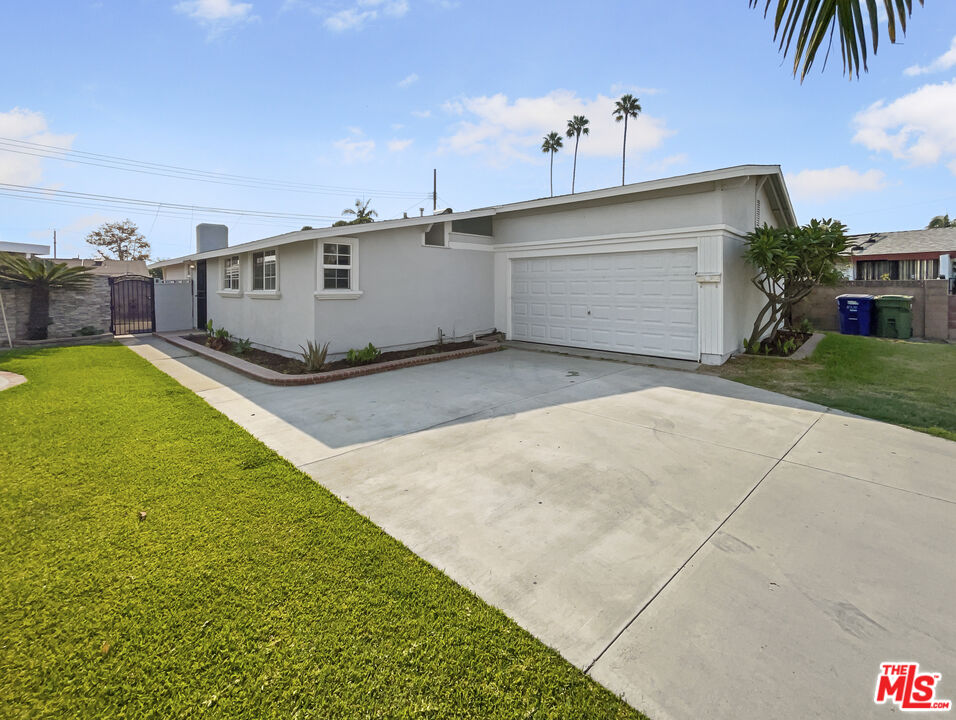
(784, 344)
(292, 366)
(160, 562)
(239, 364)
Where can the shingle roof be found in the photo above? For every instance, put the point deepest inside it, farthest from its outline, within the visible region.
(940, 240)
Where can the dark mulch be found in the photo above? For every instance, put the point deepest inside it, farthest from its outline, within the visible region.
(291, 366)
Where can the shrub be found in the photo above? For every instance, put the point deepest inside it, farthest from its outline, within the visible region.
(217, 339)
(367, 354)
(88, 330)
(241, 346)
(313, 355)
(805, 326)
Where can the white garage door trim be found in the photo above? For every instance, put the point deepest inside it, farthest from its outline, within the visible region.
(640, 302)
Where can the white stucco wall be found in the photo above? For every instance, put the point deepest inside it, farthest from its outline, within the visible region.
(742, 301)
(282, 320)
(408, 292)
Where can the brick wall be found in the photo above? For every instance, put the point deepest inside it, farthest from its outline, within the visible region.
(930, 304)
(70, 310)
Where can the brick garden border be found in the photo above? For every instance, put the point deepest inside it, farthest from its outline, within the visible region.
(272, 377)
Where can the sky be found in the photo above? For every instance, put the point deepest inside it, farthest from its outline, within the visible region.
(290, 111)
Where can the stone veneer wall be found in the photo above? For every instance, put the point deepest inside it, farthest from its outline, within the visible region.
(70, 310)
(930, 304)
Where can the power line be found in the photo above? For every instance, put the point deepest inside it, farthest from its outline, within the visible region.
(30, 192)
(116, 162)
(105, 206)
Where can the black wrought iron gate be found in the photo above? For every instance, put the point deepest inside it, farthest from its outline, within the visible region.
(132, 305)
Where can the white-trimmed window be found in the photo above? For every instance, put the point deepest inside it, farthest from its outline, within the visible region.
(230, 273)
(264, 270)
(337, 266)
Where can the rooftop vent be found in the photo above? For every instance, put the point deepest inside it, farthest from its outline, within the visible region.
(443, 211)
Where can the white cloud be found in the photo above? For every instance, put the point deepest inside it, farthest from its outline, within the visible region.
(943, 62)
(31, 126)
(422, 113)
(505, 130)
(356, 147)
(917, 127)
(621, 88)
(364, 11)
(216, 15)
(666, 163)
(398, 145)
(833, 182)
(408, 80)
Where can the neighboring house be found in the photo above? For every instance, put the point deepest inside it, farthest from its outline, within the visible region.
(28, 249)
(907, 255)
(107, 267)
(654, 268)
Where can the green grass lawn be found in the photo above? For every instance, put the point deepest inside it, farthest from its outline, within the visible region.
(906, 383)
(248, 591)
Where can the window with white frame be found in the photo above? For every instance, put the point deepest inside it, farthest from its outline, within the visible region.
(264, 270)
(230, 277)
(336, 266)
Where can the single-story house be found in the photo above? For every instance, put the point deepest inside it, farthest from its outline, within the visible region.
(653, 268)
(907, 255)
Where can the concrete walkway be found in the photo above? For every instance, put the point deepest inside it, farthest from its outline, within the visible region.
(704, 548)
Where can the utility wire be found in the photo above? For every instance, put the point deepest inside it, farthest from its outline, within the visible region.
(115, 162)
(30, 191)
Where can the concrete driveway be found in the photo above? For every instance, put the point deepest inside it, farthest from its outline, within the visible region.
(703, 548)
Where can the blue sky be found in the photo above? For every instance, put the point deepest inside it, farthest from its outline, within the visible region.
(370, 95)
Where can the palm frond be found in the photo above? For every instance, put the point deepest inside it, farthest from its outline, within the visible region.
(21, 270)
(805, 24)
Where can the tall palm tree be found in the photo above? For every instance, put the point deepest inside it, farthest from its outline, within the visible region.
(805, 25)
(941, 221)
(41, 276)
(627, 107)
(361, 212)
(577, 126)
(552, 143)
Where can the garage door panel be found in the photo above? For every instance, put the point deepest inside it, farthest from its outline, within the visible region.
(639, 302)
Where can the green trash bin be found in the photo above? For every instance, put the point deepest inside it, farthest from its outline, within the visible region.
(894, 316)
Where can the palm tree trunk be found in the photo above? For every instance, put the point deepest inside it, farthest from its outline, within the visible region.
(39, 318)
(552, 173)
(624, 152)
(574, 171)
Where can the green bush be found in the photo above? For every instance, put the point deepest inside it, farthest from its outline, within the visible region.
(88, 330)
(367, 354)
(241, 346)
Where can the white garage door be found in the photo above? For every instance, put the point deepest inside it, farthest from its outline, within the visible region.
(636, 302)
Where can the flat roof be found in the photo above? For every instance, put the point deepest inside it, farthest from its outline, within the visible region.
(778, 193)
(25, 248)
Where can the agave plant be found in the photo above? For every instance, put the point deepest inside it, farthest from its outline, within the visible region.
(41, 276)
(313, 355)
